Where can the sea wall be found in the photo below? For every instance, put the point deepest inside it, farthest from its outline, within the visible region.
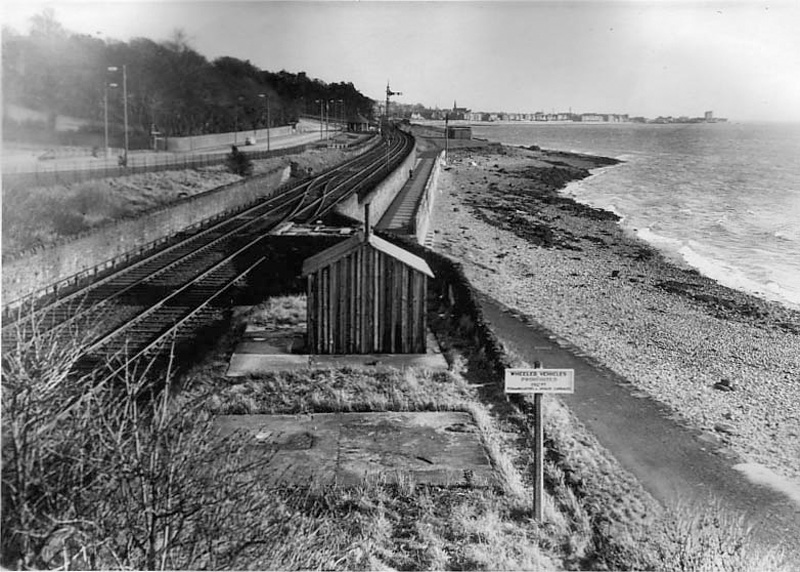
(45, 270)
(422, 218)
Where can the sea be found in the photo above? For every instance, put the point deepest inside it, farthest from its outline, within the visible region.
(723, 198)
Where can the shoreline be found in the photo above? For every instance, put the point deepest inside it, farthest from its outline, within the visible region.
(723, 360)
(678, 257)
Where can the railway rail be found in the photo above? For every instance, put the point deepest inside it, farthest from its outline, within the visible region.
(166, 297)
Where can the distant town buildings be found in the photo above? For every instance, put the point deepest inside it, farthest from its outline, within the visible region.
(418, 112)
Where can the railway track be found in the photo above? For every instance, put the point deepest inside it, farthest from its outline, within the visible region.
(165, 298)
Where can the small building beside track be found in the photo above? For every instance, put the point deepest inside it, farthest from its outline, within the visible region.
(366, 295)
(357, 123)
(459, 132)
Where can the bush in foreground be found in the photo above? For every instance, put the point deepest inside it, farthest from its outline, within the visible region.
(113, 477)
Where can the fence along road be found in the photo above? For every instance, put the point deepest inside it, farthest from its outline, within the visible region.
(33, 172)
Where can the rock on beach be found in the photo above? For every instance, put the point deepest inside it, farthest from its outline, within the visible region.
(673, 333)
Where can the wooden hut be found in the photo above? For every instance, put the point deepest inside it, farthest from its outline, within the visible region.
(357, 123)
(366, 295)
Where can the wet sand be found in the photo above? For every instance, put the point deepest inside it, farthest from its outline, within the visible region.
(725, 362)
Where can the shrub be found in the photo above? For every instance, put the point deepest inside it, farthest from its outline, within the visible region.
(239, 163)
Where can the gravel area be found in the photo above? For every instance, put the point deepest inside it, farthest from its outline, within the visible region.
(724, 361)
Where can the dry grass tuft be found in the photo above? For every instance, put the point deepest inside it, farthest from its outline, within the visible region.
(280, 311)
(339, 390)
(692, 537)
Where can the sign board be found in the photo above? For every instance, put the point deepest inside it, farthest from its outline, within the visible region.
(540, 380)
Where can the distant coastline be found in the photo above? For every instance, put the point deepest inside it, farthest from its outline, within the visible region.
(507, 122)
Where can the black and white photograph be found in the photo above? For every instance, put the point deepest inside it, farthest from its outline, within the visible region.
(400, 285)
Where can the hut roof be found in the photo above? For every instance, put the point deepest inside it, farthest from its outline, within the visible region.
(344, 248)
(357, 118)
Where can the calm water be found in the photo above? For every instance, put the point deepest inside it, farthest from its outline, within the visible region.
(724, 198)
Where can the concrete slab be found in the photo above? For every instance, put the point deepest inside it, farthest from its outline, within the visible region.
(244, 363)
(268, 350)
(348, 448)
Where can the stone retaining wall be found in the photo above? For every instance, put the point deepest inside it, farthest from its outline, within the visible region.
(45, 270)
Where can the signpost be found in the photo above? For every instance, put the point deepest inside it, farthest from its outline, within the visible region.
(539, 381)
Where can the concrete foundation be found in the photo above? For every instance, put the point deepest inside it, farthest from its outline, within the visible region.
(441, 448)
(263, 350)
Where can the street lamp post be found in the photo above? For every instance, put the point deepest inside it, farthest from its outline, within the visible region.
(339, 116)
(266, 98)
(236, 120)
(320, 117)
(124, 106)
(105, 116)
(327, 117)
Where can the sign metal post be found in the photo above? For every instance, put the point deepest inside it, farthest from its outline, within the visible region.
(539, 381)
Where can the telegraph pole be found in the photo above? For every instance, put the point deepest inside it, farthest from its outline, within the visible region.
(446, 135)
(389, 93)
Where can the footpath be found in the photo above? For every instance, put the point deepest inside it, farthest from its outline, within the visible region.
(400, 215)
(675, 463)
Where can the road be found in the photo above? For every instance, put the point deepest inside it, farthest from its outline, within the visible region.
(28, 162)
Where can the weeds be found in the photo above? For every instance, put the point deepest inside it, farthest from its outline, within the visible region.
(124, 480)
(693, 537)
(339, 390)
(280, 310)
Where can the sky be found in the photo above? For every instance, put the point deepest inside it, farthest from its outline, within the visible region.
(740, 59)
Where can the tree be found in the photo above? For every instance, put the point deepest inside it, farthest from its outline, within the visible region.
(169, 85)
(45, 25)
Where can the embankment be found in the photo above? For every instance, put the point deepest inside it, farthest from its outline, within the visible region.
(73, 258)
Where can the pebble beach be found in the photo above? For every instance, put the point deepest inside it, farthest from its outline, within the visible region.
(725, 362)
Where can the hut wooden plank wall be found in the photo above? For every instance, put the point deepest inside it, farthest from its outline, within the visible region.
(366, 295)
